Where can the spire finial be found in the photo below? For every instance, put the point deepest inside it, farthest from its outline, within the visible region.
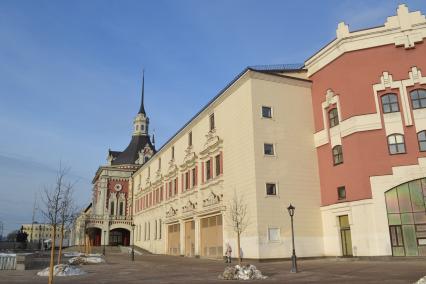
(142, 108)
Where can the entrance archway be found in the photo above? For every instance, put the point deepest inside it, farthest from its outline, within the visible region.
(119, 237)
(95, 235)
(406, 210)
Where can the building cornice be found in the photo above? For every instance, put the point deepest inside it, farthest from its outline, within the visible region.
(406, 29)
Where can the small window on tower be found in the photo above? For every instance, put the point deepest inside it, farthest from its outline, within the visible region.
(142, 127)
(173, 152)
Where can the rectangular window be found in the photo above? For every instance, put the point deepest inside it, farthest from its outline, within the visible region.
(112, 208)
(266, 112)
(187, 180)
(159, 221)
(341, 193)
(271, 189)
(274, 234)
(156, 230)
(268, 149)
(194, 177)
(159, 163)
(121, 208)
(212, 126)
(173, 152)
(333, 117)
(217, 164)
(176, 186)
(208, 170)
(190, 138)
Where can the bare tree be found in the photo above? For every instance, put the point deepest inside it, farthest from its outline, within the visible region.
(52, 202)
(238, 219)
(68, 214)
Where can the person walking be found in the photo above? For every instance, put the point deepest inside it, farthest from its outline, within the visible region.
(228, 253)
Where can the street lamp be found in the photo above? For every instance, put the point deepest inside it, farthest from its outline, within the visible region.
(133, 242)
(104, 242)
(290, 210)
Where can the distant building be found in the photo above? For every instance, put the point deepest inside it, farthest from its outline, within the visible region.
(38, 232)
(342, 138)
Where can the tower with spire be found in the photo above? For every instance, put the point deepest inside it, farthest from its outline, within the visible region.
(141, 122)
(140, 148)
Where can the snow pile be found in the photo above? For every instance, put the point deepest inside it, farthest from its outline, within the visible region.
(421, 281)
(62, 270)
(136, 252)
(79, 260)
(73, 254)
(245, 272)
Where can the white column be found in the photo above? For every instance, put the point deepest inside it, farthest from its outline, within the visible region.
(197, 236)
(182, 237)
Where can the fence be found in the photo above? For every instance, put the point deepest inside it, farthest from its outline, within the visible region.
(7, 261)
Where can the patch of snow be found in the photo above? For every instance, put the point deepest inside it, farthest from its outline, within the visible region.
(78, 260)
(244, 272)
(421, 281)
(62, 270)
(136, 252)
(72, 254)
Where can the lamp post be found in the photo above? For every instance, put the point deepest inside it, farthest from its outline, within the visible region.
(133, 242)
(39, 239)
(104, 242)
(290, 210)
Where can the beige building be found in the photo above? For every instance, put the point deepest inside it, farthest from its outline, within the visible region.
(253, 140)
(40, 232)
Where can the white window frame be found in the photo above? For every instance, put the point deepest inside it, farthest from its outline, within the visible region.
(273, 147)
(276, 189)
(261, 112)
(279, 234)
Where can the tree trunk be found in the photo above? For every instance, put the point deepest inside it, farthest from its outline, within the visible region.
(52, 255)
(239, 248)
(60, 244)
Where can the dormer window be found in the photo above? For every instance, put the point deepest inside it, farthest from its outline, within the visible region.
(333, 117)
(211, 119)
(190, 139)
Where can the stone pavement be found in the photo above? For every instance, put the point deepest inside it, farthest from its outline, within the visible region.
(169, 269)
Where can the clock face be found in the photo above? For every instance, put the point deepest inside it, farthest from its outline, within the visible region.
(118, 187)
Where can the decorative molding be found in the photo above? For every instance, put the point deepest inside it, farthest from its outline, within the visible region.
(212, 145)
(189, 206)
(171, 212)
(404, 29)
(212, 199)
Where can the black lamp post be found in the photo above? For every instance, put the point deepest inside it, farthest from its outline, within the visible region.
(133, 242)
(104, 242)
(290, 210)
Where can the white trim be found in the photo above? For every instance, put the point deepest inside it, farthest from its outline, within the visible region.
(405, 29)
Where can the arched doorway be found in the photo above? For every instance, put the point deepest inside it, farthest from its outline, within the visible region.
(119, 237)
(406, 210)
(95, 235)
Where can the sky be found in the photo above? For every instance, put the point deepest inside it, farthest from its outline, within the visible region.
(70, 74)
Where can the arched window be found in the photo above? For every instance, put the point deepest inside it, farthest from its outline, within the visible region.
(418, 98)
(396, 144)
(421, 137)
(112, 208)
(333, 117)
(337, 155)
(390, 103)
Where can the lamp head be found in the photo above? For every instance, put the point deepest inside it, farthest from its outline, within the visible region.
(290, 210)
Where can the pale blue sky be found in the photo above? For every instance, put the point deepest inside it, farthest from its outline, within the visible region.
(70, 73)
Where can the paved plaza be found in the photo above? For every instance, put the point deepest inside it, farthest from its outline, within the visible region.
(168, 269)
